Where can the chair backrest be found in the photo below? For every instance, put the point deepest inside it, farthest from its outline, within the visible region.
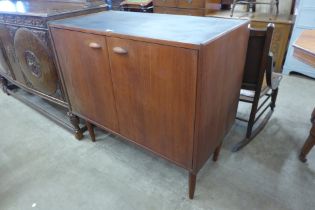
(257, 57)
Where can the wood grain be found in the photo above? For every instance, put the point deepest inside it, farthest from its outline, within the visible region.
(87, 76)
(219, 82)
(153, 109)
(304, 47)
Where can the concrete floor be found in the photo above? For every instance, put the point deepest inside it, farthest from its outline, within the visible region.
(41, 165)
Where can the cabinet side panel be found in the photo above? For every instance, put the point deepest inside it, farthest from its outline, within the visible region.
(219, 81)
(84, 65)
(155, 89)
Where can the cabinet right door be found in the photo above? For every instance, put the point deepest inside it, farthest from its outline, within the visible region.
(155, 87)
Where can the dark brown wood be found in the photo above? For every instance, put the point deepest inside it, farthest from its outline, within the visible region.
(216, 153)
(25, 48)
(217, 96)
(166, 91)
(192, 184)
(148, 115)
(4, 84)
(310, 141)
(293, 7)
(90, 128)
(86, 71)
(75, 121)
(259, 80)
(281, 35)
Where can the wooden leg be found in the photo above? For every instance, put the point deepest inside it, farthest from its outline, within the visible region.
(192, 184)
(252, 117)
(4, 84)
(308, 145)
(75, 122)
(216, 153)
(274, 95)
(90, 128)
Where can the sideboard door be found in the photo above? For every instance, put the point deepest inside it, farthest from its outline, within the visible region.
(155, 87)
(86, 73)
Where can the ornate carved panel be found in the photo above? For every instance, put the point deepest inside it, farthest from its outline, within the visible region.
(24, 20)
(35, 61)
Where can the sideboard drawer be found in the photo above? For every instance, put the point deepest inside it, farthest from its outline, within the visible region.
(165, 3)
(191, 4)
(86, 72)
(178, 11)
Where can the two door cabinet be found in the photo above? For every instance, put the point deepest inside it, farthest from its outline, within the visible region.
(157, 80)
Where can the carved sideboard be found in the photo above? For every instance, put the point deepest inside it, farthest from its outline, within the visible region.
(157, 80)
(26, 57)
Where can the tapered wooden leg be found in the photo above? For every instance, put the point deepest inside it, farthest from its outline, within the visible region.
(310, 141)
(308, 145)
(75, 122)
(192, 184)
(90, 128)
(216, 153)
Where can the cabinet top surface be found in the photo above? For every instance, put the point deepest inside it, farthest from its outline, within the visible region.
(181, 29)
(306, 42)
(44, 8)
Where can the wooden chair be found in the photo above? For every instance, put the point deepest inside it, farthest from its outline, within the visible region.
(259, 82)
(251, 4)
(310, 141)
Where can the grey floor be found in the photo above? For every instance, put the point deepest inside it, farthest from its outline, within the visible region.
(43, 167)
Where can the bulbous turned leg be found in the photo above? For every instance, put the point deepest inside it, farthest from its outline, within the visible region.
(4, 84)
(192, 184)
(90, 128)
(75, 121)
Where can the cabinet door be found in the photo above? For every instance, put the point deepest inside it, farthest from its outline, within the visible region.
(155, 89)
(83, 60)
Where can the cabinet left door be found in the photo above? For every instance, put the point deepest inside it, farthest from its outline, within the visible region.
(84, 65)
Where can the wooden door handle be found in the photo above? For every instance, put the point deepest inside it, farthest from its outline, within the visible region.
(95, 45)
(120, 50)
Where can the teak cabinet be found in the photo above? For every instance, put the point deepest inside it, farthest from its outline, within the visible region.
(169, 91)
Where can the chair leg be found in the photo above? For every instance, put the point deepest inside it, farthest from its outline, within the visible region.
(217, 152)
(90, 128)
(252, 117)
(233, 7)
(192, 184)
(250, 126)
(274, 95)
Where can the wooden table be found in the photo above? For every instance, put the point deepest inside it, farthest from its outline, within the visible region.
(160, 81)
(304, 50)
(304, 47)
(282, 32)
